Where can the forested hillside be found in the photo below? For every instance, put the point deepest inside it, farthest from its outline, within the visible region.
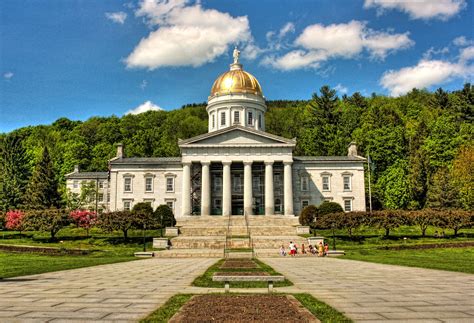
(420, 144)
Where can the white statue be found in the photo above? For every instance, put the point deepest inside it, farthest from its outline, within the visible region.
(236, 55)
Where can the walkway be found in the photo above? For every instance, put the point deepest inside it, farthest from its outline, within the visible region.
(374, 292)
(122, 291)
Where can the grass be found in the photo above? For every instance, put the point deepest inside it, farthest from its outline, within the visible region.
(107, 248)
(238, 250)
(21, 264)
(453, 259)
(205, 280)
(167, 310)
(322, 311)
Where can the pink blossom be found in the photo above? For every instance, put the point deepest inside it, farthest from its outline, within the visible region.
(14, 220)
(84, 219)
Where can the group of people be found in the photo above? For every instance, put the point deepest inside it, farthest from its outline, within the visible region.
(320, 251)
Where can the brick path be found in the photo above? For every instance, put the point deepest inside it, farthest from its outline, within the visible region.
(369, 292)
(122, 291)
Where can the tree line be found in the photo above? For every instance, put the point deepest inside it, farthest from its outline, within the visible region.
(420, 145)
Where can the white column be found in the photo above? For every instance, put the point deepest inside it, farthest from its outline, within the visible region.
(288, 188)
(205, 189)
(186, 194)
(226, 189)
(269, 198)
(248, 188)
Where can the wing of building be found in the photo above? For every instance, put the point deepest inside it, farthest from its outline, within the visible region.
(235, 168)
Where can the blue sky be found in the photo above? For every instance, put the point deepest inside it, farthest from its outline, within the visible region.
(79, 59)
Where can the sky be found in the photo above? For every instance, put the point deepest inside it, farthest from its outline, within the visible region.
(84, 58)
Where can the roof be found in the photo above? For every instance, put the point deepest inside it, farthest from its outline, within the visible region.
(283, 140)
(146, 160)
(88, 175)
(329, 158)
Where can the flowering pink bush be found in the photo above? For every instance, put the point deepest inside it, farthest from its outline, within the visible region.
(14, 220)
(84, 219)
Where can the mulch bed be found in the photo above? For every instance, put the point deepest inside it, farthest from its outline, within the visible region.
(237, 264)
(242, 273)
(431, 246)
(44, 250)
(243, 308)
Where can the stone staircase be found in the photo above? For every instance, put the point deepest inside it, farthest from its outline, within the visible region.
(206, 236)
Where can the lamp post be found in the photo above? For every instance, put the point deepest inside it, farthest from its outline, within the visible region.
(144, 240)
(333, 238)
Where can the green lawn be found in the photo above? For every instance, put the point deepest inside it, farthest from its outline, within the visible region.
(453, 259)
(205, 280)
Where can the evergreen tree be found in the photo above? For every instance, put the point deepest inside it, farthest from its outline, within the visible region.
(442, 193)
(14, 172)
(42, 191)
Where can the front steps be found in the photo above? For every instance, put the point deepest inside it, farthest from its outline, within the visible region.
(205, 236)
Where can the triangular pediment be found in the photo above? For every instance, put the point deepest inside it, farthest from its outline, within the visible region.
(238, 136)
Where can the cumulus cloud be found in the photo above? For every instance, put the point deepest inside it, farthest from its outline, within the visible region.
(466, 54)
(462, 41)
(319, 43)
(144, 107)
(419, 9)
(117, 17)
(8, 75)
(340, 88)
(187, 35)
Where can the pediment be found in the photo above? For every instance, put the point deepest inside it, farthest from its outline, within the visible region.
(238, 136)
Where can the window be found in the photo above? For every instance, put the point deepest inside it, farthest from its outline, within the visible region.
(326, 183)
(236, 117)
(101, 184)
(304, 203)
(170, 205)
(347, 183)
(250, 118)
(327, 199)
(278, 206)
(237, 183)
(101, 197)
(304, 184)
(213, 121)
(127, 205)
(217, 203)
(259, 121)
(148, 184)
(217, 184)
(170, 184)
(222, 118)
(75, 184)
(347, 205)
(127, 184)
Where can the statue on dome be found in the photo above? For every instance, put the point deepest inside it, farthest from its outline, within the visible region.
(236, 55)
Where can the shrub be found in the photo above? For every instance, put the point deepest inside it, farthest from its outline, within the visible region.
(117, 220)
(352, 220)
(308, 215)
(144, 216)
(165, 216)
(422, 219)
(387, 220)
(15, 220)
(84, 219)
(328, 208)
(49, 220)
(453, 219)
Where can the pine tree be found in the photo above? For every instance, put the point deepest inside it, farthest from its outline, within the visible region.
(14, 172)
(42, 191)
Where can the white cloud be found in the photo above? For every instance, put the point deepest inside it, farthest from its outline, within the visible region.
(467, 54)
(320, 43)
(117, 17)
(462, 41)
(432, 52)
(423, 75)
(8, 75)
(419, 9)
(289, 27)
(143, 84)
(340, 88)
(187, 35)
(144, 107)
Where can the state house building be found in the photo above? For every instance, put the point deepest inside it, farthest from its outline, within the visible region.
(235, 168)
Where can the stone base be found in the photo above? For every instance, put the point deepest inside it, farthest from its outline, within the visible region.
(171, 232)
(160, 243)
(144, 254)
(335, 253)
(302, 229)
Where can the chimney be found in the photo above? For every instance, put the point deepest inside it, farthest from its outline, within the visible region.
(120, 150)
(76, 168)
(352, 149)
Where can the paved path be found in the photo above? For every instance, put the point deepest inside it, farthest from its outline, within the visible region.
(374, 292)
(123, 291)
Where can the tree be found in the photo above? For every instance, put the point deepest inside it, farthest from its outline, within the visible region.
(308, 215)
(442, 193)
(165, 216)
(329, 207)
(143, 213)
(463, 176)
(14, 171)
(352, 220)
(84, 219)
(118, 220)
(47, 220)
(387, 220)
(454, 219)
(42, 191)
(423, 219)
(393, 186)
(15, 220)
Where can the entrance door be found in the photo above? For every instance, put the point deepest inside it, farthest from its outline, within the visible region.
(237, 175)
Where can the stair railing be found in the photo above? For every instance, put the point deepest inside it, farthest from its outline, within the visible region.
(227, 235)
(248, 233)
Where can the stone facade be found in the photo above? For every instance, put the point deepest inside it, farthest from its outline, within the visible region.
(236, 168)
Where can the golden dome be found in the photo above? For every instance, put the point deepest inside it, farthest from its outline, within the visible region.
(236, 81)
